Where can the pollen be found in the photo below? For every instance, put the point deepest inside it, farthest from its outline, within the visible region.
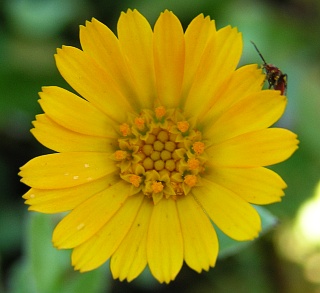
(160, 112)
(183, 126)
(125, 129)
(193, 164)
(139, 122)
(120, 155)
(198, 147)
(157, 186)
(190, 180)
(135, 180)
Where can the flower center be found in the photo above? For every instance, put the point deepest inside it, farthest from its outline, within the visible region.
(160, 154)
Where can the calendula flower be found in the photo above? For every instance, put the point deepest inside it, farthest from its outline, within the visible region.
(164, 136)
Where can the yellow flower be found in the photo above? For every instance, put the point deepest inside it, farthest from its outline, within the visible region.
(167, 137)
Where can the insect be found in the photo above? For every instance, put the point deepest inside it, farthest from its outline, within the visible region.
(274, 75)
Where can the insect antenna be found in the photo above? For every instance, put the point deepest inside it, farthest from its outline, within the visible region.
(264, 61)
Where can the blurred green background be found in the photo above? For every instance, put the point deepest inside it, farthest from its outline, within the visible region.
(287, 32)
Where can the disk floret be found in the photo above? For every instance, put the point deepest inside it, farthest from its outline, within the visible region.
(160, 154)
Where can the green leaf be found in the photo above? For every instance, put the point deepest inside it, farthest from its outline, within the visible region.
(47, 263)
(229, 246)
(46, 269)
(21, 279)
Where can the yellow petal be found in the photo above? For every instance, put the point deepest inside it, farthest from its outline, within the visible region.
(66, 169)
(245, 80)
(93, 83)
(98, 249)
(257, 111)
(89, 217)
(130, 258)
(199, 237)
(60, 139)
(234, 216)
(75, 113)
(197, 35)
(254, 149)
(98, 41)
(61, 200)
(169, 58)
(165, 244)
(219, 60)
(254, 185)
(136, 41)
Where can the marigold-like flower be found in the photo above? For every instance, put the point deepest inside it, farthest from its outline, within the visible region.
(167, 136)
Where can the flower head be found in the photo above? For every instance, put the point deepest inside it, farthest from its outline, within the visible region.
(164, 135)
